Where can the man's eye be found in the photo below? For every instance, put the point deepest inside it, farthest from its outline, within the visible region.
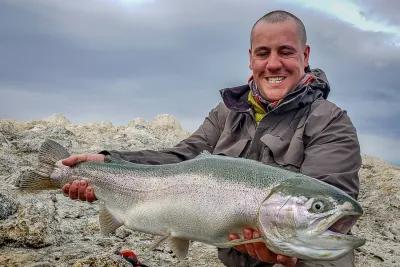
(261, 54)
(286, 52)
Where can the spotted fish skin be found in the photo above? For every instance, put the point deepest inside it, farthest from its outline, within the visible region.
(207, 198)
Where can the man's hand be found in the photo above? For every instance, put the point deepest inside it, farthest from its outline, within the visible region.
(259, 251)
(80, 189)
(75, 159)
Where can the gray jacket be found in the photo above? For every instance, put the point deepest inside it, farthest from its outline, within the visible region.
(304, 133)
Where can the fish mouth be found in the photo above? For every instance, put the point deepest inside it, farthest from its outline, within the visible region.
(339, 227)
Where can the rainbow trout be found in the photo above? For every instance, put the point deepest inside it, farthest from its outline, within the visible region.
(210, 196)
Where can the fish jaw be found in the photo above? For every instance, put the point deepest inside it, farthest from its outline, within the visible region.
(330, 239)
(290, 229)
(331, 242)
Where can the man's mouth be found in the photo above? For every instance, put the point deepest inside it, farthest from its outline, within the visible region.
(275, 79)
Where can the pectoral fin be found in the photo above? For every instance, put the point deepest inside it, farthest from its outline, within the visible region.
(237, 242)
(108, 223)
(179, 246)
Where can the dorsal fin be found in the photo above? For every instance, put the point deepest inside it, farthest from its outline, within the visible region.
(204, 154)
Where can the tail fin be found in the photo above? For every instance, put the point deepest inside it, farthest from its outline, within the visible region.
(49, 153)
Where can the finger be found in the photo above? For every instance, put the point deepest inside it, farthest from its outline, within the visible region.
(90, 197)
(248, 234)
(286, 261)
(82, 190)
(262, 252)
(73, 190)
(240, 248)
(74, 159)
(233, 236)
(65, 190)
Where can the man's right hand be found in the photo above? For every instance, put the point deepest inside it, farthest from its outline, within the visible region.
(80, 189)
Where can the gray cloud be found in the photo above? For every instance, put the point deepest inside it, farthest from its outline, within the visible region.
(100, 60)
(381, 10)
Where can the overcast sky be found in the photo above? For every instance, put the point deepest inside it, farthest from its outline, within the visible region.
(116, 60)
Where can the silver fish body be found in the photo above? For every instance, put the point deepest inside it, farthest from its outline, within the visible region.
(206, 198)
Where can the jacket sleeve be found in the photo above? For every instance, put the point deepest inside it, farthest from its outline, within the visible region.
(332, 151)
(204, 138)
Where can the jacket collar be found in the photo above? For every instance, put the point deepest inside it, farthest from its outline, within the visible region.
(236, 98)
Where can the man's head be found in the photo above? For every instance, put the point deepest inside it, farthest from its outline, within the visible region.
(278, 54)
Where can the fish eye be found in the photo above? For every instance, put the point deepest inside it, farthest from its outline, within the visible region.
(318, 206)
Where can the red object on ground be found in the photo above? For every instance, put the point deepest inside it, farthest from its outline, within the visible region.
(128, 253)
(130, 256)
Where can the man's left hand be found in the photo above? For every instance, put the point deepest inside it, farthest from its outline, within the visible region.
(259, 251)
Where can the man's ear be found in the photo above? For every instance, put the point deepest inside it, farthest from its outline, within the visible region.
(306, 55)
(250, 61)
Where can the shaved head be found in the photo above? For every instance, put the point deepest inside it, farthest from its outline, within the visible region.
(282, 16)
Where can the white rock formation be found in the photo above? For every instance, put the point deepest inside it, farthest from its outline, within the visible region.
(48, 229)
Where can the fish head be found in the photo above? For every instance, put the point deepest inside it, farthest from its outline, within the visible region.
(309, 219)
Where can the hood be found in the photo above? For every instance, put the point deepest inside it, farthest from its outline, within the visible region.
(236, 98)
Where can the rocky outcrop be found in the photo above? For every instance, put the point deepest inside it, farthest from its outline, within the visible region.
(47, 229)
(7, 207)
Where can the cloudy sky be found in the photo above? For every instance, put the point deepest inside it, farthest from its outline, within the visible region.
(116, 60)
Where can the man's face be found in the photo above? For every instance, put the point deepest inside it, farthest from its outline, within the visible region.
(277, 58)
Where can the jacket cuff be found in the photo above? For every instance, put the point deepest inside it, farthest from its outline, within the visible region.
(104, 152)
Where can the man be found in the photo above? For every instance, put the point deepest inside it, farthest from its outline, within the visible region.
(281, 117)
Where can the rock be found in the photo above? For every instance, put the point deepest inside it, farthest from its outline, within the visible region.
(8, 127)
(123, 232)
(7, 207)
(3, 139)
(138, 123)
(57, 119)
(33, 227)
(165, 122)
(11, 258)
(108, 260)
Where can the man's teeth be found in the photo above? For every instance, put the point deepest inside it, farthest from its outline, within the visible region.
(275, 79)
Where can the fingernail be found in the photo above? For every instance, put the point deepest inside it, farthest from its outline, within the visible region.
(83, 183)
(247, 233)
(256, 234)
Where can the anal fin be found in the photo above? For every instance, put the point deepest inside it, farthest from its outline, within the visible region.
(108, 223)
(179, 246)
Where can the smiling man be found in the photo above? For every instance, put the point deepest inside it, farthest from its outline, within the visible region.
(281, 117)
(278, 57)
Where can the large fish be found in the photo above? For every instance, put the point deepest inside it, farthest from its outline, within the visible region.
(210, 196)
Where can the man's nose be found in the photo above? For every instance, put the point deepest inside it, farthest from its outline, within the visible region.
(274, 62)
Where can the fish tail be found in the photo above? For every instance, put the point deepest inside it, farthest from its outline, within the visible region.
(49, 153)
